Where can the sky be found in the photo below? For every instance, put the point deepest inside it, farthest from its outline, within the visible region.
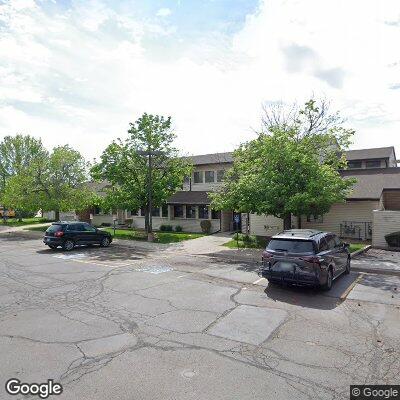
(77, 72)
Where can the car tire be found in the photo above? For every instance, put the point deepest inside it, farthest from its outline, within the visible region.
(329, 280)
(68, 245)
(347, 270)
(105, 242)
(53, 246)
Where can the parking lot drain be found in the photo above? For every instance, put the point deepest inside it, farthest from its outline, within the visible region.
(155, 269)
(70, 256)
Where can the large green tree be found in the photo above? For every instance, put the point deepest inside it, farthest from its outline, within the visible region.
(143, 168)
(291, 168)
(53, 182)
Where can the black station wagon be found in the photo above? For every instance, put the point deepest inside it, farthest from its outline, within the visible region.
(305, 257)
(70, 234)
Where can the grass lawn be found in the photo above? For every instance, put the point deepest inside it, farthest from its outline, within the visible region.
(37, 228)
(25, 221)
(160, 237)
(252, 242)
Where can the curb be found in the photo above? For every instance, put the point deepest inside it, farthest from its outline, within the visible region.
(361, 251)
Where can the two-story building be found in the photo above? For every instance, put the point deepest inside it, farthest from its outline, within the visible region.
(377, 189)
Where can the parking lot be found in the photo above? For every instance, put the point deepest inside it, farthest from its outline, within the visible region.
(136, 323)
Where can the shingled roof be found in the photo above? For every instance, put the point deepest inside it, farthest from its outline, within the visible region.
(371, 182)
(189, 197)
(368, 154)
(215, 158)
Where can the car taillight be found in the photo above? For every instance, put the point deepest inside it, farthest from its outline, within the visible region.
(266, 255)
(311, 259)
(59, 234)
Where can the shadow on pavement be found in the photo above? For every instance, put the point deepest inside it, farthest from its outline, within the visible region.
(313, 297)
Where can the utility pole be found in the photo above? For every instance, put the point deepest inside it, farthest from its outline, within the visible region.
(149, 153)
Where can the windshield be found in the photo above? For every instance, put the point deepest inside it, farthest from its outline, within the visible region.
(54, 228)
(291, 246)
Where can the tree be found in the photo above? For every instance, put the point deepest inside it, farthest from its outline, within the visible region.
(291, 168)
(52, 182)
(144, 169)
(17, 153)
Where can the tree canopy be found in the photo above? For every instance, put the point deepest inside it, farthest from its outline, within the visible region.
(52, 181)
(125, 164)
(292, 167)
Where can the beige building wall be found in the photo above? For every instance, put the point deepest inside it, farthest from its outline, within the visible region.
(356, 211)
(207, 186)
(385, 222)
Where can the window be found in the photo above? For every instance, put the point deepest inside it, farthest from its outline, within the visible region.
(155, 212)
(88, 228)
(134, 213)
(220, 175)
(198, 177)
(76, 228)
(164, 210)
(354, 164)
(323, 245)
(142, 212)
(190, 212)
(97, 210)
(215, 214)
(291, 246)
(338, 242)
(331, 242)
(317, 219)
(373, 164)
(186, 180)
(203, 212)
(209, 176)
(178, 211)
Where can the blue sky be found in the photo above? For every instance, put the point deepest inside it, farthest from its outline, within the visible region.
(78, 72)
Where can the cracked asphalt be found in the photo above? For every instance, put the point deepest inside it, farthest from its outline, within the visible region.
(132, 323)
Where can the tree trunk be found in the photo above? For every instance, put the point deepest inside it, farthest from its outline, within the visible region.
(146, 218)
(287, 222)
(57, 215)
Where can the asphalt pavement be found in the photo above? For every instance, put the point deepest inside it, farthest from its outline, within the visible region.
(148, 323)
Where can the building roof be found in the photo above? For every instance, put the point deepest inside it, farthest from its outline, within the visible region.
(189, 197)
(368, 154)
(215, 158)
(99, 188)
(362, 154)
(371, 182)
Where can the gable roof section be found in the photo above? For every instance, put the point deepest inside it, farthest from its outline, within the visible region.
(215, 158)
(371, 182)
(187, 197)
(368, 154)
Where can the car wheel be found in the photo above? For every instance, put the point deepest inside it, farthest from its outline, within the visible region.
(347, 270)
(105, 242)
(53, 246)
(329, 280)
(68, 245)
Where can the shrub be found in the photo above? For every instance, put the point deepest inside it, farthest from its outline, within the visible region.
(178, 228)
(393, 239)
(129, 221)
(166, 228)
(205, 225)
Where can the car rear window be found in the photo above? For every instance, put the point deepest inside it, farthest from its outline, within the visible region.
(291, 245)
(54, 228)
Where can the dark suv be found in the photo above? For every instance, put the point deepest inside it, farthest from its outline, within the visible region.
(70, 234)
(305, 257)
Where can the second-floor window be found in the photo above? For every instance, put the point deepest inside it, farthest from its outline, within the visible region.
(209, 176)
(354, 164)
(373, 164)
(220, 175)
(198, 177)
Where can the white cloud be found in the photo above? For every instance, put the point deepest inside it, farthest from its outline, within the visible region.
(81, 77)
(164, 12)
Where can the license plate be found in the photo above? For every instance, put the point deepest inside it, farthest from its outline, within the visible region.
(285, 266)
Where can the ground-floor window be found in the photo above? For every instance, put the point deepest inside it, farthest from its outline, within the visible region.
(134, 213)
(164, 211)
(178, 211)
(155, 212)
(190, 212)
(203, 212)
(318, 219)
(215, 214)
